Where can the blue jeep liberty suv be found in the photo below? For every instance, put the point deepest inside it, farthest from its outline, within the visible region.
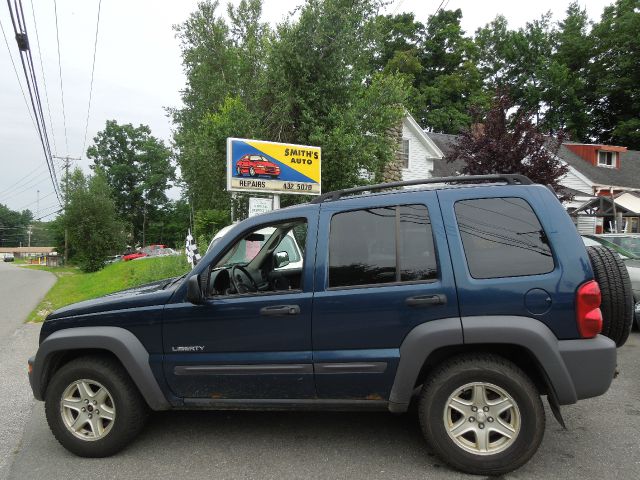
(472, 296)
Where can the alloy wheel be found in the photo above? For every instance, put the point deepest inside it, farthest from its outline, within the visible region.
(87, 410)
(482, 418)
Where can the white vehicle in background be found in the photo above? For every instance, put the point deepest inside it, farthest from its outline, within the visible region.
(252, 247)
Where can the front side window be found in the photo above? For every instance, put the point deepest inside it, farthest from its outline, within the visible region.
(263, 260)
(502, 237)
(381, 245)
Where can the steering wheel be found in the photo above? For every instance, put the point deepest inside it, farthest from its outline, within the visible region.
(238, 284)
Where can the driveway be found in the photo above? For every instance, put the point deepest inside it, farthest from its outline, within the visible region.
(21, 290)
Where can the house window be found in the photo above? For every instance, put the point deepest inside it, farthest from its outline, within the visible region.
(404, 152)
(606, 159)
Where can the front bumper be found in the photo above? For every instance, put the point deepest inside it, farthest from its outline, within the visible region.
(591, 364)
(34, 386)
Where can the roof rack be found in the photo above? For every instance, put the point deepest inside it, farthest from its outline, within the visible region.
(511, 179)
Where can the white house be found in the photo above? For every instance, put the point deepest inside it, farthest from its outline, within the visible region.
(417, 151)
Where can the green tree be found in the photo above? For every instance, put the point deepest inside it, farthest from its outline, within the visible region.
(224, 62)
(565, 88)
(14, 226)
(309, 82)
(501, 142)
(614, 75)
(94, 229)
(138, 169)
(438, 61)
(170, 224)
(320, 90)
(517, 60)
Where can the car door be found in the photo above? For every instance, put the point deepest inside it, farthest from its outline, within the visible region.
(244, 346)
(382, 268)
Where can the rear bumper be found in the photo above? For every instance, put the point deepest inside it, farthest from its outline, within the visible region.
(590, 363)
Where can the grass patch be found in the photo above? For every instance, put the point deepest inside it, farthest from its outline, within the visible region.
(74, 286)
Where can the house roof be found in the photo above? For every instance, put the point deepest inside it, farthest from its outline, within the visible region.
(445, 142)
(628, 176)
(429, 145)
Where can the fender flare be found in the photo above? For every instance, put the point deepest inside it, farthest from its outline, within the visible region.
(524, 332)
(420, 342)
(119, 341)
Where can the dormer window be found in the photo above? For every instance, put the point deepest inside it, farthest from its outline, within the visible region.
(606, 159)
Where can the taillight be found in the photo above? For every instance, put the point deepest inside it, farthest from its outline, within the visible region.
(588, 314)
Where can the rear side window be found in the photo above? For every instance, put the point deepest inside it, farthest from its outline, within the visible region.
(381, 245)
(502, 237)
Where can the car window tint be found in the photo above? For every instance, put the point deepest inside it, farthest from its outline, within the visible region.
(363, 248)
(502, 237)
(417, 253)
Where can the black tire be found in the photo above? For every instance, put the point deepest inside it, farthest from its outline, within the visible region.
(131, 411)
(252, 172)
(617, 296)
(239, 171)
(451, 377)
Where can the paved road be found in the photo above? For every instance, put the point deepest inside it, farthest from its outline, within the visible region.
(20, 292)
(603, 442)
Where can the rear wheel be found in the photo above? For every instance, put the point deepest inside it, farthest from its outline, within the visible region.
(481, 414)
(252, 172)
(93, 408)
(617, 295)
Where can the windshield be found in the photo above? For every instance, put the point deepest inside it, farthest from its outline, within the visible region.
(590, 241)
(630, 244)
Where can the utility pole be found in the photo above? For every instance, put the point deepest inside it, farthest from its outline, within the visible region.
(29, 231)
(38, 205)
(66, 160)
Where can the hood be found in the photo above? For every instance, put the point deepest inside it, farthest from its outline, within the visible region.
(141, 296)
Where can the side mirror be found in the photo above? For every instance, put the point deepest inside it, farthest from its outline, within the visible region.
(194, 292)
(280, 259)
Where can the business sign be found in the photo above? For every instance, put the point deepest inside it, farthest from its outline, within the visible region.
(259, 166)
(258, 206)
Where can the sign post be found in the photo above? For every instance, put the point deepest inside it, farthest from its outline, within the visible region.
(270, 167)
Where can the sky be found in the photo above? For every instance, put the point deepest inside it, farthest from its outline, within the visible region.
(138, 74)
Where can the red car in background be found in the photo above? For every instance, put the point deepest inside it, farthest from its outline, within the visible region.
(254, 165)
(132, 256)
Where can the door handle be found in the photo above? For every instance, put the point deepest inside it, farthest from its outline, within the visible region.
(280, 310)
(426, 300)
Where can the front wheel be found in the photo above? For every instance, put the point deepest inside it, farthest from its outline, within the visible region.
(93, 408)
(482, 414)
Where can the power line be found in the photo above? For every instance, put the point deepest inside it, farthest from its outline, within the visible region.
(35, 201)
(93, 68)
(64, 115)
(41, 177)
(47, 215)
(15, 184)
(44, 79)
(17, 76)
(22, 39)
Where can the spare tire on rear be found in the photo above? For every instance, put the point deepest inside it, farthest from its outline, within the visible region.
(617, 297)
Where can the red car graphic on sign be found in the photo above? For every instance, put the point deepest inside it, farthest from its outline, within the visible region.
(254, 165)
